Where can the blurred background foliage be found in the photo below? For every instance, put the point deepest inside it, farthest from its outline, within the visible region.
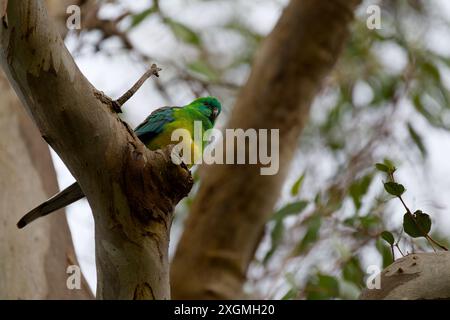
(386, 98)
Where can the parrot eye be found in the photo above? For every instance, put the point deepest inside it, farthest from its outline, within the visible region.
(214, 111)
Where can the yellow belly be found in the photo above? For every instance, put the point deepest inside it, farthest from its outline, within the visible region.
(192, 151)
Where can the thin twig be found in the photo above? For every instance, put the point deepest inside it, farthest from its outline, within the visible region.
(399, 250)
(116, 105)
(153, 71)
(393, 254)
(436, 243)
(404, 205)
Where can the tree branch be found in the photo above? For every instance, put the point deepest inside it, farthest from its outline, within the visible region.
(153, 71)
(132, 190)
(417, 276)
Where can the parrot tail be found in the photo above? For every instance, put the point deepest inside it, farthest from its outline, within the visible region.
(71, 194)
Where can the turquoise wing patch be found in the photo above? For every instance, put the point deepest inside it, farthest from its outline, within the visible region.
(154, 124)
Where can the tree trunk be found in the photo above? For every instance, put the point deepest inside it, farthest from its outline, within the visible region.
(417, 276)
(132, 191)
(234, 202)
(34, 262)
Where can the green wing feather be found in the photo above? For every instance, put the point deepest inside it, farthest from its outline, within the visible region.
(154, 124)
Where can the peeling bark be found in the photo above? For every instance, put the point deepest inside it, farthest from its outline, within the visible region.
(132, 191)
(234, 202)
(414, 277)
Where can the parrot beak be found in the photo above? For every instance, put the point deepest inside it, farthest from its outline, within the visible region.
(215, 112)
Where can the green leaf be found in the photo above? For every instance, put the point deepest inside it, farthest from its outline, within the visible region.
(382, 167)
(390, 165)
(423, 110)
(350, 221)
(276, 236)
(387, 166)
(311, 235)
(296, 187)
(388, 237)
(278, 229)
(291, 294)
(136, 19)
(429, 112)
(318, 199)
(242, 29)
(359, 188)
(417, 139)
(384, 89)
(385, 251)
(417, 225)
(369, 221)
(293, 291)
(290, 209)
(353, 272)
(432, 71)
(322, 287)
(394, 188)
(183, 32)
(203, 68)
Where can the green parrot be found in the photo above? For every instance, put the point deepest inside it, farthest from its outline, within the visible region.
(155, 132)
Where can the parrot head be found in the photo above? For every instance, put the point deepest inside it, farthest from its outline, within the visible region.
(209, 106)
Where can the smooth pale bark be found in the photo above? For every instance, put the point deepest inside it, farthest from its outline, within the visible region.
(57, 9)
(417, 276)
(33, 264)
(131, 190)
(234, 202)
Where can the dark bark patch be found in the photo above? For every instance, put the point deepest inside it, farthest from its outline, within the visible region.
(153, 185)
(3, 16)
(143, 291)
(5, 21)
(10, 48)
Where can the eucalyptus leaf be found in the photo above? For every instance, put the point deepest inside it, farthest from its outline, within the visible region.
(417, 225)
(296, 187)
(358, 190)
(183, 32)
(388, 237)
(394, 188)
(382, 167)
(290, 209)
(385, 251)
(322, 287)
(353, 271)
(417, 139)
(138, 18)
(203, 68)
(311, 235)
(276, 236)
